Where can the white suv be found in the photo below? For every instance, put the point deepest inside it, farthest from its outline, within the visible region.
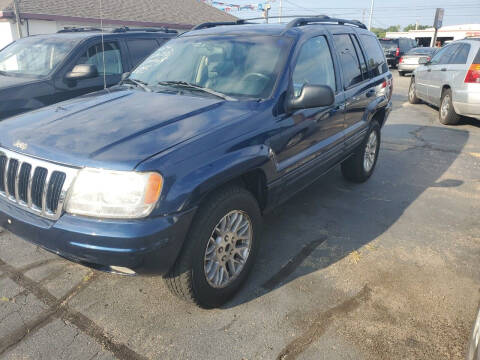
(451, 81)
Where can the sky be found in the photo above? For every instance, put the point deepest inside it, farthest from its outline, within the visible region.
(386, 12)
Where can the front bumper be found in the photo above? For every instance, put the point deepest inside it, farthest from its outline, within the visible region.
(147, 246)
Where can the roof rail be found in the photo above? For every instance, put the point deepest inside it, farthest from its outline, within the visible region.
(126, 29)
(208, 25)
(323, 19)
(69, 29)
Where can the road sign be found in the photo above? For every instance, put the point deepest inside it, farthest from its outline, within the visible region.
(437, 24)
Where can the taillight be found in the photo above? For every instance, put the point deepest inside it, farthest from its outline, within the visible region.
(473, 74)
(397, 53)
(401, 60)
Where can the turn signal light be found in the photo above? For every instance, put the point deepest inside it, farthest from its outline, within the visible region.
(473, 74)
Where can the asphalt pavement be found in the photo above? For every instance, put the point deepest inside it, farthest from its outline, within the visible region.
(388, 269)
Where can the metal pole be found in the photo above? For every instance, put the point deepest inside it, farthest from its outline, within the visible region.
(17, 18)
(434, 39)
(371, 15)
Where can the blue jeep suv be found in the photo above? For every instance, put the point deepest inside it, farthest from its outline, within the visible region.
(170, 171)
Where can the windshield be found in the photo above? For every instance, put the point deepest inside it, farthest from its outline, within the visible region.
(231, 65)
(34, 56)
(388, 44)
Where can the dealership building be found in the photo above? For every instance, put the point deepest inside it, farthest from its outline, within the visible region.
(49, 16)
(445, 34)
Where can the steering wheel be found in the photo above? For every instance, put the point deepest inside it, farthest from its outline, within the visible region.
(255, 74)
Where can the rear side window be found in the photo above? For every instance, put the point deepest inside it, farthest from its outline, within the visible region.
(349, 60)
(314, 65)
(443, 55)
(140, 49)
(375, 58)
(461, 56)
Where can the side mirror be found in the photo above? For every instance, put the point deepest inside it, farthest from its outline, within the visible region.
(312, 96)
(81, 72)
(125, 75)
(423, 61)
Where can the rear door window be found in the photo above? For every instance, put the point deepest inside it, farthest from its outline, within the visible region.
(348, 59)
(461, 55)
(361, 56)
(140, 49)
(375, 58)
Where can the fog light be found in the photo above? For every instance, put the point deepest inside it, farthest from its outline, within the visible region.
(122, 270)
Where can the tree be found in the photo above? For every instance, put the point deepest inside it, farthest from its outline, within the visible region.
(413, 26)
(380, 32)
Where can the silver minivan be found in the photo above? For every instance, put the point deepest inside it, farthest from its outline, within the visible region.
(451, 81)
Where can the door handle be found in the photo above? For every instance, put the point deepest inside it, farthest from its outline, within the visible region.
(370, 93)
(443, 69)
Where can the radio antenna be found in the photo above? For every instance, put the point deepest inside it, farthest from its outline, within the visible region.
(103, 47)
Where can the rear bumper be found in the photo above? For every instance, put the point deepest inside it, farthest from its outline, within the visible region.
(466, 100)
(407, 67)
(147, 246)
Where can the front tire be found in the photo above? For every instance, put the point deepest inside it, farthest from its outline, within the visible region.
(360, 166)
(220, 249)
(447, 114)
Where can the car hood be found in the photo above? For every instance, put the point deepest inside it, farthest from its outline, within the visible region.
(11, 81)
(115, 129)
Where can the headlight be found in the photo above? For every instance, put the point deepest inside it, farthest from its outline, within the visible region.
(114, 194)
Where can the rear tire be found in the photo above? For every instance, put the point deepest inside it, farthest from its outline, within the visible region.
(446, 113)
(360, 166)
(211, 243)
(412, 93)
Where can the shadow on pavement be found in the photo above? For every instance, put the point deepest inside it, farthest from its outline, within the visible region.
(332, 217)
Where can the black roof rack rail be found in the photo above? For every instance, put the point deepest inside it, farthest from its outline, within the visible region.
(69, 29)
(323, 19)
(208, 25)
(126, 29)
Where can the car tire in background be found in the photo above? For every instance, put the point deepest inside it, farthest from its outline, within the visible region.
(224, 237)
(474, 346)
(412, 94)
(360, 166)
(446, 113)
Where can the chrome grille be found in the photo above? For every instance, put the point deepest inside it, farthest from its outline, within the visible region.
(35, 185)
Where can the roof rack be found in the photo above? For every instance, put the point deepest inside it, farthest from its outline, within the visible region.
(69, 29)
(126, 29)
(323, 19)
(299, 20)
(208, 25)
(123, 29)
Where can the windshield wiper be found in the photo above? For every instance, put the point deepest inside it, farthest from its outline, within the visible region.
(188, 85)
(139, 83)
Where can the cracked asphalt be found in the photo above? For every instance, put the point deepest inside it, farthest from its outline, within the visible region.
(388, 269)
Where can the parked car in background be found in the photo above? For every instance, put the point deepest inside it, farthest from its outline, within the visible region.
(474, 346)
(170, 171)
(451, 81)
(411, 60)
(41, 70)
(394, 49)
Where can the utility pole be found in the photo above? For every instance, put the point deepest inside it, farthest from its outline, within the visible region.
(371, 15)
(266, 11)
(17, 18)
